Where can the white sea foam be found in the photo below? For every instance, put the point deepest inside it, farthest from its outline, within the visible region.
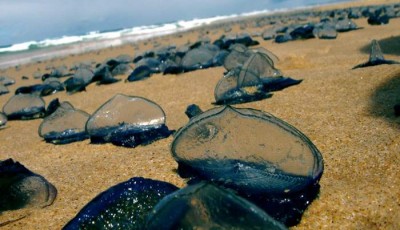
(140, 32)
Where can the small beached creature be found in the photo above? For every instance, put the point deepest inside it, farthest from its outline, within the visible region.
(52, 106)
(269, 33)
(124, 58)
(170, 67)
(263, 158)
(200, 57)
(21, 188)
(103, 75)
(73, 85)
(127, 121)
(252, 78)
(325, 30)
(139, 73)
(206, 206)
(345, 25)
(378, 17)
(123, 206)
(375, 57)
(3, 89)
(64, 125)
(50, 86)
(232, 89)
(120, 69)
(193, 110)
(225, 41)
(302, 31)
(237, 56)
(219, 58)
(151, 62)
(260, 63)
(78, 82)
(24, 107)
(59, 72)
(7, 80)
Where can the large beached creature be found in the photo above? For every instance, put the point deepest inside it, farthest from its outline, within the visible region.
(263, 158)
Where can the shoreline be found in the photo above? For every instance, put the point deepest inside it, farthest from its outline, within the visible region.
(40, 54)
(347, 114)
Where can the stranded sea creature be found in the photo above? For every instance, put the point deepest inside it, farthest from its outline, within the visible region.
(64, 125)
(263, 158)
(206, 206)
(127, 121)
(24, 107)
(21, 188)
(251, 77)
(232, 89)
(139, 73)
(123, 206)
(345, 25)
(103, 75)
(78, 82)
(193, 110)
(200, 57)
(237, 56)
(3, 89)
(325, 30)
(7, 81)
(375, 57)
(50, 86)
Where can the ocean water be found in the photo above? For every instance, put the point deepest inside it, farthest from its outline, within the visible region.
(30, 25)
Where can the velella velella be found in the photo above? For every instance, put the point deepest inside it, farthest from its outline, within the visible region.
(3, 120)
(152, 63)
(50, 85)
(251, 76)
(85, 74)
(73, 85)
(103, 75)
(127, 121)
(375, 57)
(123, 206)
(345, 25)
(24, 107)
(200, 57)
(6, 81)
(78, 82)
(325, 30)
(21, 188)
(65, 125)
(139, 73)
(120, 69)
(60, 71)
(260, 63)
(263, 158)
(232, 89)
(206, 206)
(237, 56)
(193, 110)
(3, 89)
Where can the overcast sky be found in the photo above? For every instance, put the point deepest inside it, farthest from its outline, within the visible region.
(26, 20)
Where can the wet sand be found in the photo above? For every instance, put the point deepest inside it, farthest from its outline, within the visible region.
(348, 114)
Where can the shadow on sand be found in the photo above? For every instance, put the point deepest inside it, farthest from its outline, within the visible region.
(384, 98)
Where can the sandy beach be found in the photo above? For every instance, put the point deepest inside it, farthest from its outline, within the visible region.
(348, 114)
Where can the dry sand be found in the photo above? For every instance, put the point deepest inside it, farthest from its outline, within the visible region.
(348, 114)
